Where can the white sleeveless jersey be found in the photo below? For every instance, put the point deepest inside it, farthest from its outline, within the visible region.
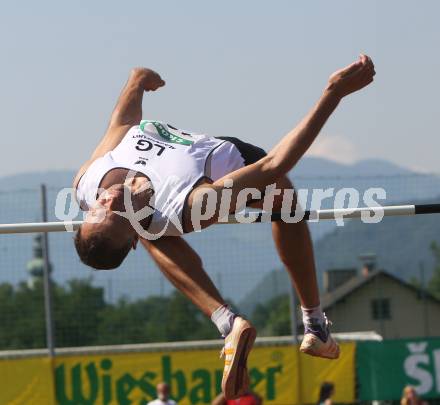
(172, 159)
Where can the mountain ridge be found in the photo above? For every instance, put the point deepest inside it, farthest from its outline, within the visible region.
(237, 258)
(306, 167)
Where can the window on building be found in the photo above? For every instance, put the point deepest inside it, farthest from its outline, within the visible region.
(381, 308)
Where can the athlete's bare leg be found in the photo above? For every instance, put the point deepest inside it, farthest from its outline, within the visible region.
(295, 249)
(183, 267)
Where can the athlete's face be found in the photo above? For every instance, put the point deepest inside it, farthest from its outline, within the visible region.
(109, 213)
(105, 217)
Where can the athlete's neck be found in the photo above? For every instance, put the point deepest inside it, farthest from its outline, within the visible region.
(115, 176)
(140, 187)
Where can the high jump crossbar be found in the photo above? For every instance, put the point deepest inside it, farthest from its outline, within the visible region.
(253, 217)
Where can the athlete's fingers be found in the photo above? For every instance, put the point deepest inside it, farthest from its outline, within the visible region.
(160, 83)
(367, 78)
(364, 59)
(368, 62)
(368, 73)
(350, 69)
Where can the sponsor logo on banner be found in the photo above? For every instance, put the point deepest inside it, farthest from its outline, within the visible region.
(385, 368)
(422, 367)
(93, 382)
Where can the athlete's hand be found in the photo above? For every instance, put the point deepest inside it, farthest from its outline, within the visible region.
(353, 77)
(149, 79)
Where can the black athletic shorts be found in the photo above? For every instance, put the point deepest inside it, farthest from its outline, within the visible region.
(249, 152)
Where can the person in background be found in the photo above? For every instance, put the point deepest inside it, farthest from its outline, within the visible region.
(410, 397)
(249, 398)
(163, 395)
(325, 393)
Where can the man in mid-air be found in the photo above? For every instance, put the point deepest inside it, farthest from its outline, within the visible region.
(150, 181)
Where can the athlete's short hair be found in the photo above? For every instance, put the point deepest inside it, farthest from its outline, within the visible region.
(99, 251)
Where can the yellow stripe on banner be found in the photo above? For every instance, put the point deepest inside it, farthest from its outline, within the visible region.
(26, 381)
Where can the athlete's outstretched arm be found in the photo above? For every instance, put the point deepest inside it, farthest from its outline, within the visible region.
(293, 146)
(128, 109)
(127, 112)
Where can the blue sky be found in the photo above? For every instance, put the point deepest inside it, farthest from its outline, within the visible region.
(250, 69)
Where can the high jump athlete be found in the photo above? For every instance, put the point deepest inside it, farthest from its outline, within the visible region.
(147, 180)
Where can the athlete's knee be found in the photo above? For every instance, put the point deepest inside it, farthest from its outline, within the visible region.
(284, 195)
(285, 183)
(270, 168)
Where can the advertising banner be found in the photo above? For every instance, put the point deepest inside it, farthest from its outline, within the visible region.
(385, 368)
(194, 376)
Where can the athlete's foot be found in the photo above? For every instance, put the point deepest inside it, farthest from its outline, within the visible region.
(318, 341)
(238, 344)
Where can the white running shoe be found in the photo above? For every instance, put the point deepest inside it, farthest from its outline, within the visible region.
(318, 341)
(238, 344)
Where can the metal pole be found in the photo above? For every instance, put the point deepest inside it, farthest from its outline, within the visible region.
(39, 227)
(423, 297)
(48, 309)
(380, 312)
(162, 286)
(110, 290)
(294, 327)
(255, 217)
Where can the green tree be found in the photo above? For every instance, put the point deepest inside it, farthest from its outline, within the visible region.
(186, 322)
(83, 318)
(141, 321)
(154, 319)
(273, 318)
(78, 313)
(22, 317)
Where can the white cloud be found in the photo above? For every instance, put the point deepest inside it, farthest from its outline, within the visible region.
(334, 147)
